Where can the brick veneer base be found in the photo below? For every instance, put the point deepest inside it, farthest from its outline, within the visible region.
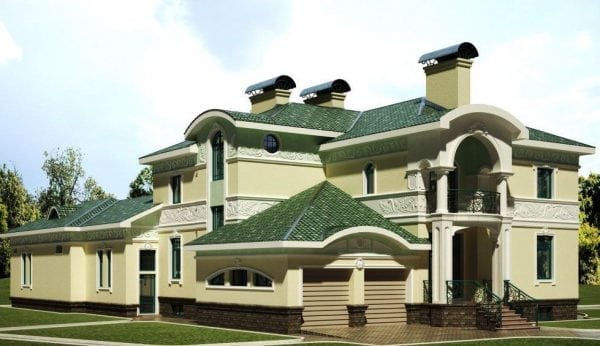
(442, 315)
(64, 306)
(356, 315)
(560, 309)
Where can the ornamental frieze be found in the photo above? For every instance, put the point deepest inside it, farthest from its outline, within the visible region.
(259, 153)
(365, 150)
(171, 165)
(546, 211)
(530, 154)
(398, 206)
(243, 209)
(186, 214)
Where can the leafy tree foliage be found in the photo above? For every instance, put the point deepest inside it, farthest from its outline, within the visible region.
(92, 191)
(589, 233)
(589, 199)
(16, 208)
(142, 184)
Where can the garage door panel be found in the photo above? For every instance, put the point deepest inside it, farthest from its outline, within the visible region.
(385, 294)
(325, 297)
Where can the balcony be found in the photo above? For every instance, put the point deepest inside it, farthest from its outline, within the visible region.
(467, 201)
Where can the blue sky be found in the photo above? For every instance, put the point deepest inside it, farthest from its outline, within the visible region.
(122, 79)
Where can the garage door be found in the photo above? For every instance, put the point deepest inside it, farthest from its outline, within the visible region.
(385, 294)
(325, 297)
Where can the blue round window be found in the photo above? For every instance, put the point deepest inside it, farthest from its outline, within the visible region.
(271, 144)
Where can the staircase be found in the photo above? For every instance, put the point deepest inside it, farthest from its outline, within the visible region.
(513, 321)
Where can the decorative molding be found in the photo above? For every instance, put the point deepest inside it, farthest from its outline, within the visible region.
(243, 209)
(151, 235)
(77, 236)
(171, 165)
(529, 154)
(260, 153)
(183, 214)
(365, 150)
(202, 147)
(400, 205)
(546, 210)
(415, 181)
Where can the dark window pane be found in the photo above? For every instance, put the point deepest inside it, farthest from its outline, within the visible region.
(176, 189)
(217, 157)
(270, 143)
(239, 277)
(544, 183)
(544, 257)
(218, 280)
(370, 178)
(100, 266)
(176, 258)
(218, 217)
(108, 262)
(147, 260)
(262, 281)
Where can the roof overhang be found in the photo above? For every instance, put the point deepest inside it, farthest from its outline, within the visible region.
(190, 150)
(575, 149)
(509, 121)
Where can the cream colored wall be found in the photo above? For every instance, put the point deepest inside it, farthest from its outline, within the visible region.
(567, 184)
(390, 174)
(193, 186)
(184, 288)
(523, 263)
(78, 275)
(161, 189)
(524, 182)
(274, 179)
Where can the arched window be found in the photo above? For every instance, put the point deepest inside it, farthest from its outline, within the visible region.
(240, 278)
(217, 156)
(369, 174)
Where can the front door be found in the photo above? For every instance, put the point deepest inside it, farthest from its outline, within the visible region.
(147, 293)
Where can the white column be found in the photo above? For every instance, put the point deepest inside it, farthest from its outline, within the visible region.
(435, 264)
(506, 248)
(441, 260)
(442, 191)
(500, 257)
(502, 189)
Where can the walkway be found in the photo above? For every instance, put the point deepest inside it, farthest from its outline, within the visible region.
(417, 333)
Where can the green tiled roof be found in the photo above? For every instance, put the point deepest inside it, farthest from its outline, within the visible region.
(312, 215)
(173, 147)
(539, 135)
(91, 213)
(409, 113)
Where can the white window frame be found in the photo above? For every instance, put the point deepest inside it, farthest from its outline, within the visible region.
(552, 183)
(176, 235)
(551, 281)
(250, 276)
(28, 261)
(109, 268)
(364, 178)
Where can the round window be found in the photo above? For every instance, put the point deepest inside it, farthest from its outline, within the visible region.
(270, 143)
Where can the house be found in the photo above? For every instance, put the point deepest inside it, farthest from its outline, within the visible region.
(294, 215)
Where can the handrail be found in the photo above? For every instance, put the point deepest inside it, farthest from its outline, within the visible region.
(488, 304)
(426, 291)
(519, 301)
(466, 201)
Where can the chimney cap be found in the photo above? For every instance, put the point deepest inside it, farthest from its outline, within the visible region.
(338, 86)
(464, 50)
(280, 82)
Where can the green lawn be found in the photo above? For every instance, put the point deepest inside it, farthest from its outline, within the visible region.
(589, 295)
(4, 291)
(152, 333)
(526, 342)
(592, 313)
(10, 317)
(581, 324)
(4, 342)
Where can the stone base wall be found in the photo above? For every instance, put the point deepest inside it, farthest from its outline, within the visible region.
(64, 306)
(356, 315)
(273, 319)
(441, 315)
(177, 307)
(550, 309)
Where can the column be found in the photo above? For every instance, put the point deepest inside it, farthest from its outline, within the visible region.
(442, 191)
(441, 260)
(356, 304)
(500, 259)
(502, 189)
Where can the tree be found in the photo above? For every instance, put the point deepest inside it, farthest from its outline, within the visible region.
(589, 199)
(142, 184)
(16, 208)
(92, 191)
(589, 234)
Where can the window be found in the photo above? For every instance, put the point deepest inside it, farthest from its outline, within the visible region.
(369, 179)
(239, 279)
(544, 257)
(270, 143)
(26, 270)
(432, 181)
(217, 157)
(544, 182)
(58, 250)
(147, 262)
(175, 258)
(104, 268)
(176, 189)
(217, 217)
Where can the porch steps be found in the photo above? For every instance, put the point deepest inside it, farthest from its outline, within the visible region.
(513, 321)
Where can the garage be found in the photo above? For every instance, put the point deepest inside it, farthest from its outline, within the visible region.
(325, 297)
(385, 294)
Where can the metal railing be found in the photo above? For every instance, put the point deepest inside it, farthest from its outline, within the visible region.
(467, 201)
(523, 304)
(489, 305)
(426, 291)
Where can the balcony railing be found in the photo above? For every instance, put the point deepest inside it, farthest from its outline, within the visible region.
(467, 201)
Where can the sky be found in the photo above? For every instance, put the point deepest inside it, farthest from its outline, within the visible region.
(121, 79)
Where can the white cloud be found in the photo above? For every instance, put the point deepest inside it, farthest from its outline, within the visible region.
(9, 50)
(583, 41)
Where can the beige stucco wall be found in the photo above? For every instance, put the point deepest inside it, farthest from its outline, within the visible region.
(193, 185)
(524, 182)
(273, 179)
(186, 286)
(523, 263)
(567, 184)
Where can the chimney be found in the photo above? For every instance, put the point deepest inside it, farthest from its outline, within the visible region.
(330, 94)
(448, 75)
(267, 94)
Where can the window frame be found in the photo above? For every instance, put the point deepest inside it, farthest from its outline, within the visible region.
(217, 149)
(250, 280)
(172, 278)
(214, 218)
(104, 261)
(26, 270)
(552, 184)
(369, 180)
(176, 190)
(553, 243)
(275, 140)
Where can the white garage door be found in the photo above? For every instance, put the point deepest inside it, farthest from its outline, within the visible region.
(385, 291)
(325, 297)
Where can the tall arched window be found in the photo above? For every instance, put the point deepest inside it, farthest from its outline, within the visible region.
(217, 156)
(369, 173)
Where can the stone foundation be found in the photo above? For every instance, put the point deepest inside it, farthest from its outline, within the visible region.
(356, 315)
(549, 309)
(442, 315)
(64, 306)
(177, 307)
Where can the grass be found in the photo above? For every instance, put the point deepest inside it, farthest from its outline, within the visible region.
(11, 317)
(4, 291)
(4, 342)
(592, 313)
(528, 342)
(580, 324)
(152, 333)
(589, 295)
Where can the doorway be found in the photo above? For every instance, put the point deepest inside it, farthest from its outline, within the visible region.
(147, 299)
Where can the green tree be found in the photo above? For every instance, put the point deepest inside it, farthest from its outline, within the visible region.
(589, 234)
(92, 191)
(16, 208)
(142, 184)
(589, 199)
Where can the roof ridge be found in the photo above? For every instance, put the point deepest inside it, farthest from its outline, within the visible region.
(90, 214)
(303, 212)
(355, 120)
(395, 103)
